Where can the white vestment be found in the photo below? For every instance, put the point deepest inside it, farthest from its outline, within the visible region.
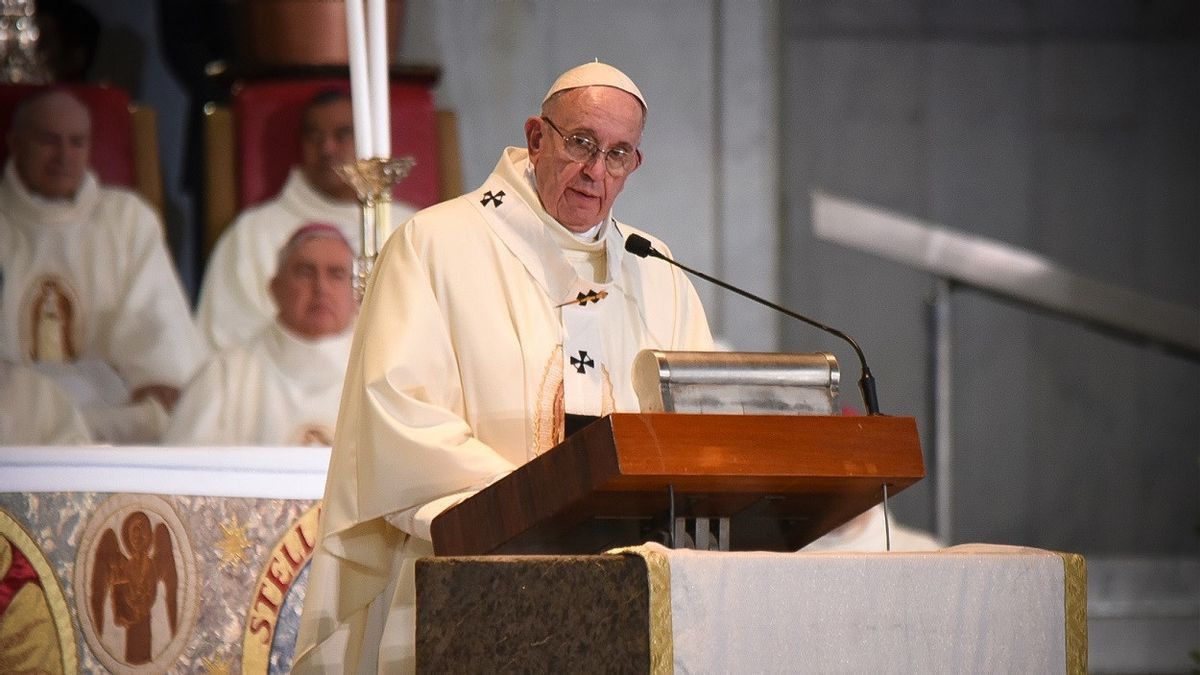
(277, 389)
(867, 533)
(235, 303)
(35, 411)
(456, 377)
(89, 279)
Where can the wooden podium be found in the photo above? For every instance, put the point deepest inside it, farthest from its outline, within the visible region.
(783, 481)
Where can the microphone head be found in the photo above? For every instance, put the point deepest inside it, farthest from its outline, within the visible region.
(639, 246)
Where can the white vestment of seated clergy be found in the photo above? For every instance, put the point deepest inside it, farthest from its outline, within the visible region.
(235, 302)
(36, 411)
(456, 377)
(277, 389)
(89, 278)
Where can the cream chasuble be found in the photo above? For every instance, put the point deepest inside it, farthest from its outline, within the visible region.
(277, 389)
(89, 279)
(456, 377)
(235, 303)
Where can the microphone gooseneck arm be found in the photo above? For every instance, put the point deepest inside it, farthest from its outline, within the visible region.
(641, 247)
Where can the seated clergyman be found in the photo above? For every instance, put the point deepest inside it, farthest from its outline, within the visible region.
(234, 303)
(88, 293)
(283, 386)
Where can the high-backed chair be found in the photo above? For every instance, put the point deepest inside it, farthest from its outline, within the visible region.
(251, 145)
(124, 136)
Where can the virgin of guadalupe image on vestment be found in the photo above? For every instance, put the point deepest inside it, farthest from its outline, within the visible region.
(52, 323)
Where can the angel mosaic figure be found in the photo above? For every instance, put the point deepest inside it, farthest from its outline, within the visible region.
(132, 582)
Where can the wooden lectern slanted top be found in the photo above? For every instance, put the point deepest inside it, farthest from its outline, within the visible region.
(782, 480)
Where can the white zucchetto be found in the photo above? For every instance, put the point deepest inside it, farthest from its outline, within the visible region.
(595, 74)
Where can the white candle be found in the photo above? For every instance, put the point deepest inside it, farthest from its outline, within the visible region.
(381, 132)
(360, 95)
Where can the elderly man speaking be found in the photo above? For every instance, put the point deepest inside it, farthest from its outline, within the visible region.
(491, 323)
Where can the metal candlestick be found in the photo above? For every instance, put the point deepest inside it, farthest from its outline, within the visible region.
(373, 180)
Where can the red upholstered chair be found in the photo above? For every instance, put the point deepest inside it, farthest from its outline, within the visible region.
(124, 138)
(251, 146)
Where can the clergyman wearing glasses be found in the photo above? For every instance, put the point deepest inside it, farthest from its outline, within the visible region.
(494, 325)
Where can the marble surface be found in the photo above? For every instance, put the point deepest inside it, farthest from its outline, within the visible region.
(534, 613)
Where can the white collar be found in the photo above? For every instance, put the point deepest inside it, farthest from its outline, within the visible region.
(304, 198)
(30, 210)
(531, 233)
(593, 233)
(320, 361)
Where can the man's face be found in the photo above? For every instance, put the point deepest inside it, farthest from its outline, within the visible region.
(50, 150)
(579, 195)
(313, 288)
(327, 141)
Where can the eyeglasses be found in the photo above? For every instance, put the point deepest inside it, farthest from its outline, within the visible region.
(619, 161)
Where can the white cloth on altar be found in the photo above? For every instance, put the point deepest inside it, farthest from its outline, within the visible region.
(90, 278)
(235, 303)
(455, 379)
(277, 389)
(36, 411)
(966, 609)
(867, 533)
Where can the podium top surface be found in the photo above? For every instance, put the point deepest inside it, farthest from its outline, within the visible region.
(800, 475)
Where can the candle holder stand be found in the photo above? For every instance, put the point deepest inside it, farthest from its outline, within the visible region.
(373, 180)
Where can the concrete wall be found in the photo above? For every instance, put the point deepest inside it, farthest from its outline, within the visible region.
(1068, 130)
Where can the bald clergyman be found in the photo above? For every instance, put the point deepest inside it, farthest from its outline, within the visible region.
(490, 320)
(283, 386)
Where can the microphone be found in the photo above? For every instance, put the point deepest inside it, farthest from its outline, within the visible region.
(642, 248)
